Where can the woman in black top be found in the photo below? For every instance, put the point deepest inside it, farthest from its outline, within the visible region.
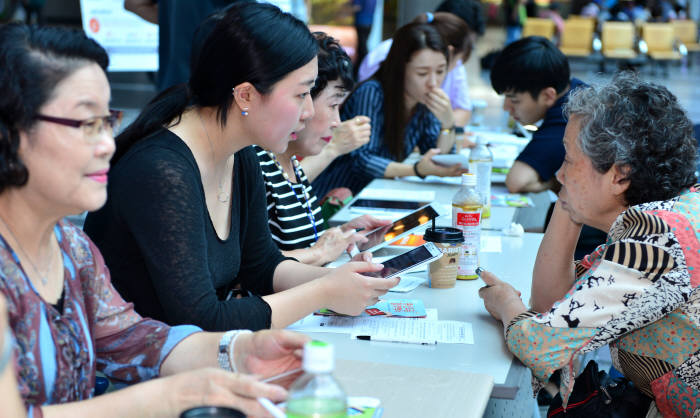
(184, 230)
(293, 210)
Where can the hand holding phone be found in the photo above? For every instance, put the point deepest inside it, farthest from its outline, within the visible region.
(408, 260)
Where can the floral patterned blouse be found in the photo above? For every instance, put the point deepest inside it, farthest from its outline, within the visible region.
(640, 294)
(57, 353)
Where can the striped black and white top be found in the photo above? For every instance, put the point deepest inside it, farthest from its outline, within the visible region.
(287, 211)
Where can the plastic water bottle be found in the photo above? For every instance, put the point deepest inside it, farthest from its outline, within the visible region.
(481, 164)
(316, 394)
(466, 215)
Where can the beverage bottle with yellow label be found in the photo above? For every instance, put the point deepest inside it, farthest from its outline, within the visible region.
(481, 164)
(466, 215)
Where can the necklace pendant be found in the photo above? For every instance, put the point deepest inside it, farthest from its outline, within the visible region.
(223, 197)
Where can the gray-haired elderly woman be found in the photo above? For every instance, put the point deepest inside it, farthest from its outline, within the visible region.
(629, 170)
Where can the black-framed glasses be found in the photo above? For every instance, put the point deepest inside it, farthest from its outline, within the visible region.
(92, 127)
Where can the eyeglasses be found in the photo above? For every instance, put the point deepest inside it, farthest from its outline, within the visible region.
(91, 127)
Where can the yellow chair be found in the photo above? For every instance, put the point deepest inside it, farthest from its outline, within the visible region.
(618, 40)
(686, 32)
(659, 38)
(577, 37)
(579, 17)
(535, 26)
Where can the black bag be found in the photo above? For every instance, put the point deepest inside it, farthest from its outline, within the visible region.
(595, 394)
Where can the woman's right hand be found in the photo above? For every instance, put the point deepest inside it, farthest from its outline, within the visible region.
(334, 242)
(350, 135)
(427, 167)
(216, 387)
(349, 292)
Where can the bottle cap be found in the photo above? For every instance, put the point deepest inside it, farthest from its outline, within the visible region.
(318, 357)
(445, 235)
(468, 179)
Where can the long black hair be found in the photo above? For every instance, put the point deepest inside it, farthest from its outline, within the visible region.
(34, 60)
(408, 40)
(251, 42)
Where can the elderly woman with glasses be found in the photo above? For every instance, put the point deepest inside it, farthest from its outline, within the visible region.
(629, 169)
(66, 320)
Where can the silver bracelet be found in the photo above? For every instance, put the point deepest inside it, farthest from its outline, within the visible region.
(226, 346)
(6, 354)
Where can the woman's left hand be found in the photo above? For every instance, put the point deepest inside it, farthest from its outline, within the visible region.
(269, 352)
(439, 103)
(500, 299)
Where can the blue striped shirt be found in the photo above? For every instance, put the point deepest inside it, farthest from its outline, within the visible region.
(356, 169)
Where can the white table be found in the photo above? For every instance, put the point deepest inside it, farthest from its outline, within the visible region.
(488, 356)
(501, 217)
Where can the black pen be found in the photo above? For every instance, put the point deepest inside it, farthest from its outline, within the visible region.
(370, 338)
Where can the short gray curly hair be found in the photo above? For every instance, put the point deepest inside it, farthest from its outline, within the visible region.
(642, 127)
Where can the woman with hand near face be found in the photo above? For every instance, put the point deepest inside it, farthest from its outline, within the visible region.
(293, 210)
(65, 319)
(184, 230)
(459, 23)
(407, 109)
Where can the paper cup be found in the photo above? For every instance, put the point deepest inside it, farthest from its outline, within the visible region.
(442, 273)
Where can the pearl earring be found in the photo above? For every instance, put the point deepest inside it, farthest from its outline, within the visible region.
(244, 112)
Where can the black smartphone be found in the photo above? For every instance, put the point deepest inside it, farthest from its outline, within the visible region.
(382, 204)
(408, 260)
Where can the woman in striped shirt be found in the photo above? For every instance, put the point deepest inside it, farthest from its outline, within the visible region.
(294, 214)
(408, 109)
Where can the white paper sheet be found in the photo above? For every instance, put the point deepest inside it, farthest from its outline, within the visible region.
(347, 324)
(395, 194)
(433, 179)
(445, 332)
(409, 282)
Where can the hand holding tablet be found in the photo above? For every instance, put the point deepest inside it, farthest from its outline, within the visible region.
(451, 159)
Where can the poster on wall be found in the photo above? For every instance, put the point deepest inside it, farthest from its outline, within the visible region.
(130, 41)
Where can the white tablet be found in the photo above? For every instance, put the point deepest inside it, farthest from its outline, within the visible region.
(385, 235)
(451, 159)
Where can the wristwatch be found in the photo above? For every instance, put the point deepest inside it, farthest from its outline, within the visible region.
(446, 131)
(226, 343)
